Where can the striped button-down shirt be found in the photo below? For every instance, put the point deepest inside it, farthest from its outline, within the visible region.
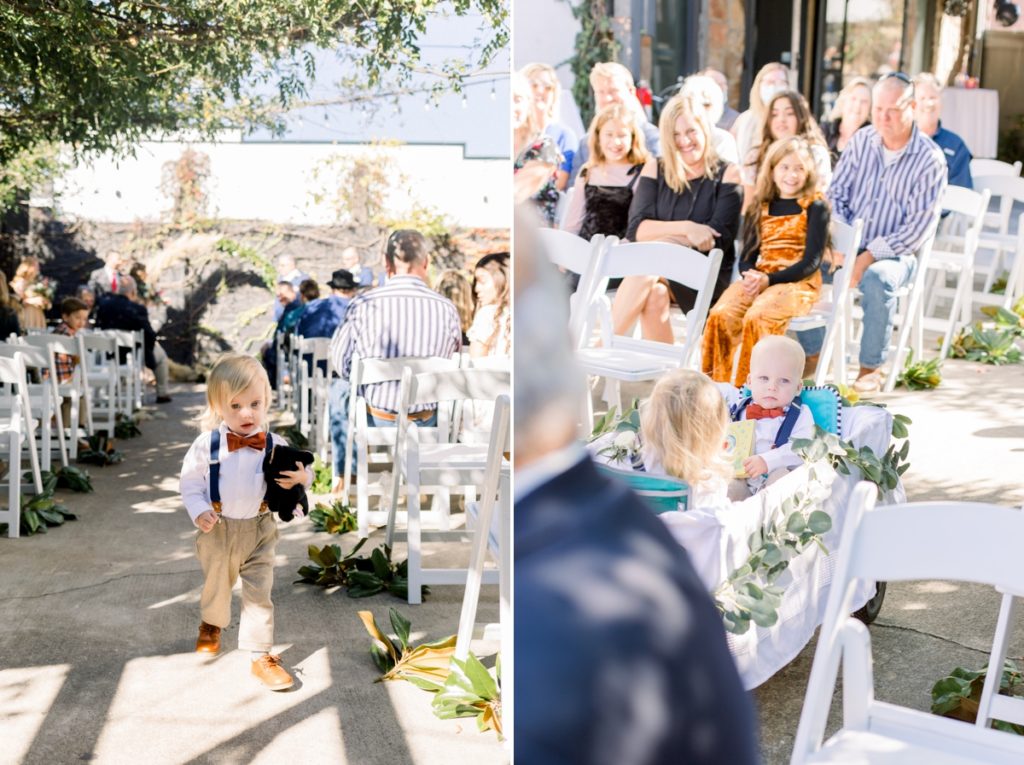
(403, 318)
(898, 203)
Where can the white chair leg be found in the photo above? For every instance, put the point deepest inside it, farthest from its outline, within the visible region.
(414, 541)
(1000, 645)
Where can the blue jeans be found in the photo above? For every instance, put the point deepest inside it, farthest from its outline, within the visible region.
(373, 422)
(337, 403)
(878, 289)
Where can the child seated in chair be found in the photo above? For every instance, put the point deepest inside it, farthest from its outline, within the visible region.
(776, 365)
(682, 434)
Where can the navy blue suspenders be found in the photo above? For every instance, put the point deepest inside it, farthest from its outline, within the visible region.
(215, 467)
(788, 423)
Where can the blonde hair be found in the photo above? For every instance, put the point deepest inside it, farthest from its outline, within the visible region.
(675, 174)
(455, 285)
(684, 425)
(757, 106)
(538, 71)
(857, 82)
(637, 154)
(779, 346)
(521, 86)
(26, 266)
(612, 70)
(765, 190)
(231, 375)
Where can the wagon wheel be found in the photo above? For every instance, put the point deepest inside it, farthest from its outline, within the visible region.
(869, 612)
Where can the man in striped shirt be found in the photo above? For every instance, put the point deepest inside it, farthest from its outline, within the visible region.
(892, 177)
(403, 318)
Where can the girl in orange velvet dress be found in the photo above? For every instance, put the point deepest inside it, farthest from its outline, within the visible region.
(785, 234)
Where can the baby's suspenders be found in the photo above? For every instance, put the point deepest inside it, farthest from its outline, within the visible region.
(788, 423)
(215, 467)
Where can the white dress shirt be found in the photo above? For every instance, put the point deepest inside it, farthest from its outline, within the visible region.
(242, 485)
(767, 428)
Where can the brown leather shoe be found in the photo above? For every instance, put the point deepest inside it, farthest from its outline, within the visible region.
(268, 670)
(209, 638)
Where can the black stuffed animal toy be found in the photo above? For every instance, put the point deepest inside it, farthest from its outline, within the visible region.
(284, 501)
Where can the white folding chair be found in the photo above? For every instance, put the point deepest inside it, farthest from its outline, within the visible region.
(44, 400)
(996, 238)
(103, 378)
(442, 465)
(576, 255)
(76, 390)
(310, 391)
(955, 257)
(829, 312)
(365, 445)
(492, 531)
(626, 359)
(905, 543)
(129, 370)
(994, 167)
(17, 434)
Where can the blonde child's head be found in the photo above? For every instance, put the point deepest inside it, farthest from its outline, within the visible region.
(233, 375)
(684, 423)
(776, 369)
(610, 126)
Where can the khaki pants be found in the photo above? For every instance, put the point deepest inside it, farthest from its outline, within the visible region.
(240, 548)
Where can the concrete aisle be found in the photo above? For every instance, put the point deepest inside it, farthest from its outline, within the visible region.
(98, 621)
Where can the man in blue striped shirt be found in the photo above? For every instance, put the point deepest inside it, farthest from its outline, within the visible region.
(892, 177)
(405, 317)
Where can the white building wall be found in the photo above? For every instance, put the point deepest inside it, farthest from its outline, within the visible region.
(545, 31)
(274, 182)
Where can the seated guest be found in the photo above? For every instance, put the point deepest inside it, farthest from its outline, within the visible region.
(105, 280)
(288, 271)
(705, 92)
(604, 188)
(784, 236)
(491, 333)
(771, 78)
(10, 323)
(892, 177)
(456, 286)
(403, 318)
(287, 296)
(361, 273)
(536, 156)
(86, 295)
(613, 84)
(729, 114)
(324, 315)
(546, 91)
(776, 364)
(74, 315)
(34, 303)
(927, 108)
(688, 197)
(788, 116)
(121, 311)
(851, 112)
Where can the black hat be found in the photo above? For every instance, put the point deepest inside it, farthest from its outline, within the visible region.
(342, 279)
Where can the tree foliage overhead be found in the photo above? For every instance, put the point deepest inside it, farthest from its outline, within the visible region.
(97, 74)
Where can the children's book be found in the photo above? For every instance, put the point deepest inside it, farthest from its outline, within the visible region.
(740, 444)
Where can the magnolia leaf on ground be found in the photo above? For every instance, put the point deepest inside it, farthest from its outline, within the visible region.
(471, 690)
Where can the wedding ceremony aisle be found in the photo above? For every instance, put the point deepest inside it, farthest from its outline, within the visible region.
(98, 623)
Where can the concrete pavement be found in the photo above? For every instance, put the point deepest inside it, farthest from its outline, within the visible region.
(98, 621)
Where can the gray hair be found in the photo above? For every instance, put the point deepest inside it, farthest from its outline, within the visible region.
(547, 382)
(705, 92)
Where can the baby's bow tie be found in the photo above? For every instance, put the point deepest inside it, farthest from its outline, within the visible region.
(758, 412)
(255, 441)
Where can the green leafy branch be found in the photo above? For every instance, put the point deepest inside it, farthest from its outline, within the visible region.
(471, 690)
(958, 694)
(41, 512)
(750, 593)
(921, 375)
(884, 472)
(334, 518)
(996, 345)
(425, 666)
(361, 575)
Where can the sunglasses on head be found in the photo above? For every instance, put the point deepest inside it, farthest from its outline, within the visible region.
(897, 76)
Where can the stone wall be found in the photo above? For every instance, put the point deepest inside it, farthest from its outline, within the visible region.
(724, 44)
(217, 280)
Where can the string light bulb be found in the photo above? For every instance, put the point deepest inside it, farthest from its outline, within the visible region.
(465, 101)
(494, 93)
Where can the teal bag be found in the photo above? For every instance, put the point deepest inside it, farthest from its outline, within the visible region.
(663, 493)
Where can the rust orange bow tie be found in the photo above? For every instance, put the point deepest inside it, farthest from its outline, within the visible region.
(255, 441)
(758, 412)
